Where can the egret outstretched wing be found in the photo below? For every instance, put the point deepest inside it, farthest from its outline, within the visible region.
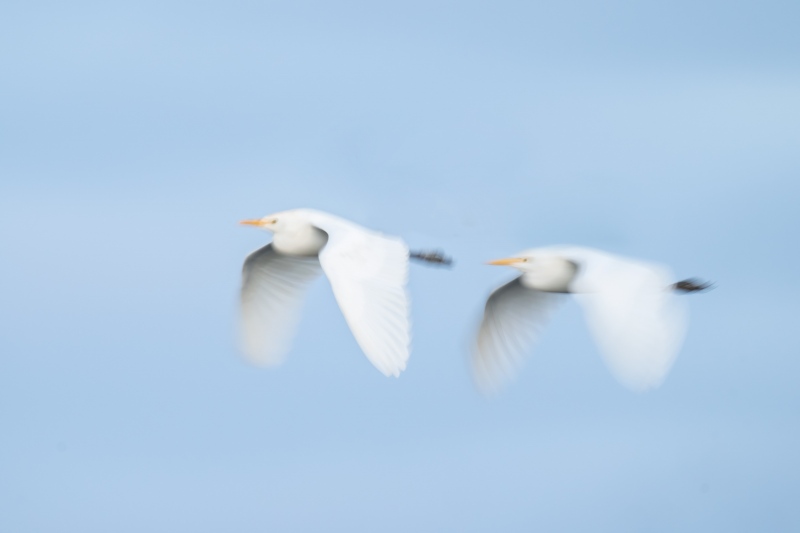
(512, 320)
(273, 287)
(368, 272)
(635, 317)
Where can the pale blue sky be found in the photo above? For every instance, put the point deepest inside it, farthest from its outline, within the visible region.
(134, 136)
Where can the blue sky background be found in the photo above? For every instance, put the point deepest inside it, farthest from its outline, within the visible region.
(134, 136)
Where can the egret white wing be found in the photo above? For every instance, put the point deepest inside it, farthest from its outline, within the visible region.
(635, 317)
(368, 272)
(512, 320)
(273, 287)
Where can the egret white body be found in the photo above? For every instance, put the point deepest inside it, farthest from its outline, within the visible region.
(633, 313)
(368, 272)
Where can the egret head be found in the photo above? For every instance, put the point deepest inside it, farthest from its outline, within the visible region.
(543, 271)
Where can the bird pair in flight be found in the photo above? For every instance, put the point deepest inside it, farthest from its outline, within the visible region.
(630, 306)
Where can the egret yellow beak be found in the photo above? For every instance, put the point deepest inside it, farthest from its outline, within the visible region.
(252, 222)
(506, 262)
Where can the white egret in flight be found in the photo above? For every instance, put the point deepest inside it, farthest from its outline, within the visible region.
(633, 313)
(367, 271)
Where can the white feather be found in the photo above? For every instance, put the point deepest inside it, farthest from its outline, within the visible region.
(368, 272)
(512, 320)
(635, 317)
(273, 286)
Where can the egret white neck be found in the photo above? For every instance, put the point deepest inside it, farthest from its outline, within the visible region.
(300, 240)
(549, 274)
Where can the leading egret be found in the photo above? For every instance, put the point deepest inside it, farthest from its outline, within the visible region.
(367, 271)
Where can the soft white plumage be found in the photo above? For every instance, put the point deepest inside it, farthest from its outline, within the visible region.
(367, 271)
(632, 311)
